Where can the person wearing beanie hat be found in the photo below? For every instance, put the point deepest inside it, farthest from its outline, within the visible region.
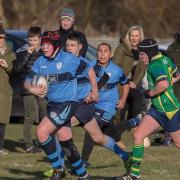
(67, 13)
(66, 25)
(162, 73)
(60, 69)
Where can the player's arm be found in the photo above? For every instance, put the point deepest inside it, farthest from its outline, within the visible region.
(36, 90)
(124, 93)
(161, 87)
(92, 79)
(158, 73)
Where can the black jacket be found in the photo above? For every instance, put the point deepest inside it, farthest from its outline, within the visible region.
(63, 34)
(23, 64)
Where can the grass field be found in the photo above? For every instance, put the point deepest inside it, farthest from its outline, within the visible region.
(160, 163)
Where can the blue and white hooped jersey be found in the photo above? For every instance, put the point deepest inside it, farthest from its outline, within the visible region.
(83, 83)
(108, 94)
(61, 73)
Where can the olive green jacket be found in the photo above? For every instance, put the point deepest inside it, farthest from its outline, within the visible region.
(174, 52)
(123, 57)
(5, 88)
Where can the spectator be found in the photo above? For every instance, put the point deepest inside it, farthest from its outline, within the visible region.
(66, 22)
(23, 64)
(6, 60)
(127, 57)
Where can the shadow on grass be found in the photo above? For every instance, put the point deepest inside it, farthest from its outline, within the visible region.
(34, 175)
(39, 175)
(12, 145)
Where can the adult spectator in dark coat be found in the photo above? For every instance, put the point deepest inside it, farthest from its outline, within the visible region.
(66, 25)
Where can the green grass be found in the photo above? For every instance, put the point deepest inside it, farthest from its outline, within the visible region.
(160, 163)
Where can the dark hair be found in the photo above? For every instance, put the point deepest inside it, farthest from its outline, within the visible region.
(34, 31)
(105, 44)
(74, 36)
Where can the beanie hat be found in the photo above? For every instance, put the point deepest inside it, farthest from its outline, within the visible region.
(51, 37)
(67, 13)
(150, 47)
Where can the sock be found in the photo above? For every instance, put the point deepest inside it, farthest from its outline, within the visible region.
(134, 122)
(111, 145)
(60, 152)
(73, 156)
(138, 153)
(49, 146)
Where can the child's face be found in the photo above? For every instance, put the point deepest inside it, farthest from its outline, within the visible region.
(104, 54)
(144, 58)
(73, 47)
(48, 49)
(34, 42)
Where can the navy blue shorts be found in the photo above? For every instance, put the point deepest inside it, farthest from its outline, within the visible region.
(60, 113)
(170, 125)
(103, 118)
(85, 112)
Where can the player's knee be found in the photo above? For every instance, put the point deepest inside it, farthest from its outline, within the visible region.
(138, 138)
(41, 134)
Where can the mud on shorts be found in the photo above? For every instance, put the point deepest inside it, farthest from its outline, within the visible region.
(170, 125)
(85, 112)
(60, 113)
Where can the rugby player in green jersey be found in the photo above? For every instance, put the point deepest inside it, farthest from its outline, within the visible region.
(165, 108)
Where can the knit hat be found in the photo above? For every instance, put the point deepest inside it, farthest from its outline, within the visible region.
(51, 37)
(67, 13)
(150, 47)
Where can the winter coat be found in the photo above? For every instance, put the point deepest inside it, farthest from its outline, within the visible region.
(174, 52)
(23, 64)
(5, 87)
(123, 57)
(63, 34)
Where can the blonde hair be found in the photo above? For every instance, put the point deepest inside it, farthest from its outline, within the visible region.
(132, 28)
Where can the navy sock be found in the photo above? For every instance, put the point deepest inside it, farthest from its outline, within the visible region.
(49, 146)
(111, 145)
(134, 122)
(73, 156)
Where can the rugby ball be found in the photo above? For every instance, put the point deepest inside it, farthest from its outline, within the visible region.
(40, 80)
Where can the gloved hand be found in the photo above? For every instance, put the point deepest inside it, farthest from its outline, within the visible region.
(147, 94)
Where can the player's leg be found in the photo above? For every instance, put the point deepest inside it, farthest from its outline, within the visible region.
(146, 127)
(47, 141)
(174, 128)
(98, 137)
(71, 152)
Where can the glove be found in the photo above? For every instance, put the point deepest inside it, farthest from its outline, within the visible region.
(147, 94)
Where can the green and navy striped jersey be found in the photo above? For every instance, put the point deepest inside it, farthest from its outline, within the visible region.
(160, 68)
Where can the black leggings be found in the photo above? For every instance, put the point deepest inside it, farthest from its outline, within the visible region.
(135, 103)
